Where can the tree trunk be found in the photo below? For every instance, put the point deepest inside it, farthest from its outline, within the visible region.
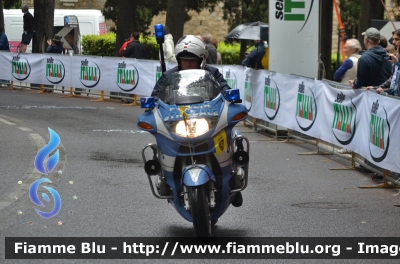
(325, 38)
(175, 20)
(125, 23)
(370, 9)
(44, 24)
(1, 15)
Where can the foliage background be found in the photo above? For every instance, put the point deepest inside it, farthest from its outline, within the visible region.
(104, 45)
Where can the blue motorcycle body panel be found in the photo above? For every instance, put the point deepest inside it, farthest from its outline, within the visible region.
(197, 175)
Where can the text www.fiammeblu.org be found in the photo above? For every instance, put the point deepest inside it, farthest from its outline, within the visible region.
(234, 248)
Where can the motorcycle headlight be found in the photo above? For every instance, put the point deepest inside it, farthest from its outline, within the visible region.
(194, 127)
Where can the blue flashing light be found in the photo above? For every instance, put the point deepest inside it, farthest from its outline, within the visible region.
(147, 102)
(159, 29)
(232, 94)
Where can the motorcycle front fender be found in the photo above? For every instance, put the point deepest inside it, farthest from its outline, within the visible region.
(196, 175)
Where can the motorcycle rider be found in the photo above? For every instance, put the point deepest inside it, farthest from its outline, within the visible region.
(191, 53)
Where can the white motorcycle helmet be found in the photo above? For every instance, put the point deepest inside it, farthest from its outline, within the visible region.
(190, 47)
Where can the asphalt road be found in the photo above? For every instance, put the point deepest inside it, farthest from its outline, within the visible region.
(105, 192)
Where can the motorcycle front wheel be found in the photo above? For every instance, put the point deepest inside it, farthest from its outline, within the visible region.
(200, 211)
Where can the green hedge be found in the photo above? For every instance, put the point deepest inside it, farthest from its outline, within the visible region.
(99, 45)
(104, 45)
(230, 53)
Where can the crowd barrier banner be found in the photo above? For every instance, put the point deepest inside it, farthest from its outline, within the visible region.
(364, 122)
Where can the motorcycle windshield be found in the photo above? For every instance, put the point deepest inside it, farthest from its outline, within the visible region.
(189, 87)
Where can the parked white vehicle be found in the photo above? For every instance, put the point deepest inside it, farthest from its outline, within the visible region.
(91, 22)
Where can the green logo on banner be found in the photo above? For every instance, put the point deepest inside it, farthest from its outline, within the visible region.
(247, 91)
(343, 117)
(270, 97)
(54, 70)
(126, 76)
(377, 131)
(19, 67)
(88, 73)
(304, 106)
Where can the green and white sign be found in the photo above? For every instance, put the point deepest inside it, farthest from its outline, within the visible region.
(294, 37)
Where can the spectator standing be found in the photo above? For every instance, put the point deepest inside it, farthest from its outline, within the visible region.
(29, 29)
(390, 83)
(211, 50)
(126, 43)
(373, 66)
(4, 45)
(134, 49)
(168, 46)
(388, 87)
(253, 60)
(55, 46)
(215, 43)
(348, 70)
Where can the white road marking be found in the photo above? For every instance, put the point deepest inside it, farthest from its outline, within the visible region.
(39, 140)
(25, 129)
(7, 122)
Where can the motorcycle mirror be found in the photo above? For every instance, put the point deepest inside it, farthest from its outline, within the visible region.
(232, 94)
(147, 102)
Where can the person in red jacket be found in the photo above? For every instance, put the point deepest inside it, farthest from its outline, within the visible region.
(123, 47)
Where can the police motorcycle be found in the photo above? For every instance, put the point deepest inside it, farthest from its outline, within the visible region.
(199, 164)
